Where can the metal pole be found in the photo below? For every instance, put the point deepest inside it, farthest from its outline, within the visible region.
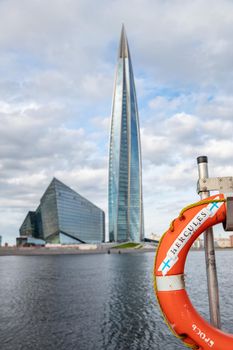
(211, 270)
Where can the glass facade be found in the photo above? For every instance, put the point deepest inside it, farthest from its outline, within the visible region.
(29, 227)
(65, 217)
(125, 180)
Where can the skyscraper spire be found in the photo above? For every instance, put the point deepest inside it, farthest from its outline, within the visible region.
(125, 180)
(123, 47)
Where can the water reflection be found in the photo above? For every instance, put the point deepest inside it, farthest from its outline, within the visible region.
(96, 301)
(132, 319)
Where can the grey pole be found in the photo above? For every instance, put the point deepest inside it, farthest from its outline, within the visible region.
(211, 270)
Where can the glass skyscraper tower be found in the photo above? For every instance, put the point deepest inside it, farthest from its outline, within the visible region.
(125, 171)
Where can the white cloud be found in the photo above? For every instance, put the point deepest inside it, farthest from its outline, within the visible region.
(220, 106)
(162, 103)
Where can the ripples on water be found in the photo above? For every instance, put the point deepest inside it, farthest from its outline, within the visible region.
(96, 301)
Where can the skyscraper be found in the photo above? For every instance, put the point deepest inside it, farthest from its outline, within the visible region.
(125, 171)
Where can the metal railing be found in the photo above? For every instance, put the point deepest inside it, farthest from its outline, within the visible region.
(204, 186)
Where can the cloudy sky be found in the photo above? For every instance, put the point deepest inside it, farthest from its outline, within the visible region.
(57, 65)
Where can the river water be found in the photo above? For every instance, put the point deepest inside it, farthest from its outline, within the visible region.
(86, 302)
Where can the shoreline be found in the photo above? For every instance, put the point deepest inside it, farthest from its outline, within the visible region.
(31, 251)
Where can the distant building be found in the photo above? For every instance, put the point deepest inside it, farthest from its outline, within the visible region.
(155, 237)
(125, 202)
(223, 243)
(0, 241)
(64, 217)
(218, 243)
(231, 240)
(197, 244)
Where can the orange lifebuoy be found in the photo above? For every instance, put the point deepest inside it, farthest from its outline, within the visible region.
(179, 313)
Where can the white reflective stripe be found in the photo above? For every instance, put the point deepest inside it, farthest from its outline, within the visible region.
(169, 283)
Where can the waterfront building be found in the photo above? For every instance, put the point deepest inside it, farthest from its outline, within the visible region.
(155, 237)
(231, 240)
(222, 242)
(28, 241)
(125, 174)
(64, 217)
(198, 243)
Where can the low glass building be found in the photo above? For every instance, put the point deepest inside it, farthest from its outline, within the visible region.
(65, 217)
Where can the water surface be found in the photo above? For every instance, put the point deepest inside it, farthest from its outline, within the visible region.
(96, 301)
